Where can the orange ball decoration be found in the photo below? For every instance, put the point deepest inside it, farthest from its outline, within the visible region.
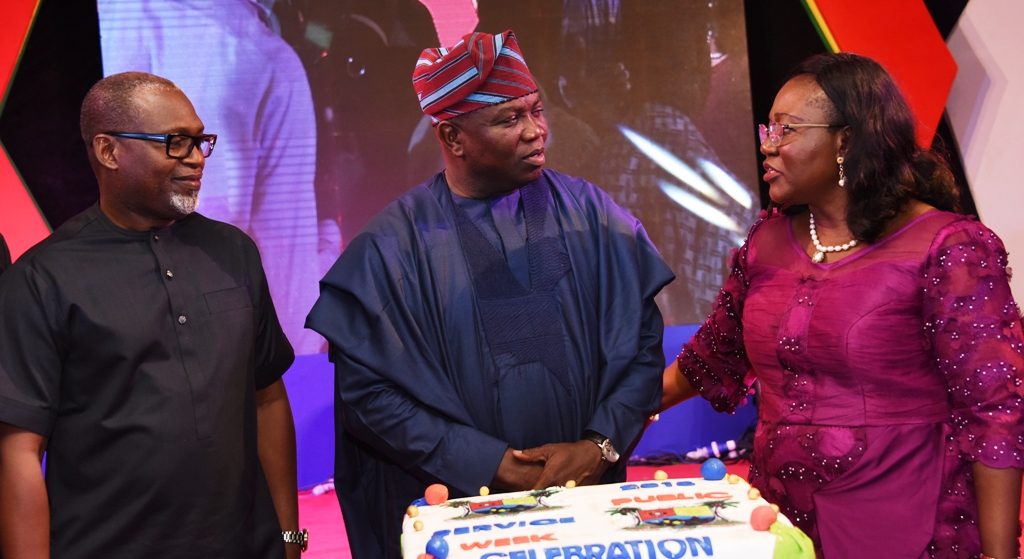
(436, 494)
(762, 518)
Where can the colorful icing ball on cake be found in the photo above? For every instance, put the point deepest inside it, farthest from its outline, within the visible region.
(438, 547)
(762, 518)
(660, 475)
(436, 494)
(712, 469)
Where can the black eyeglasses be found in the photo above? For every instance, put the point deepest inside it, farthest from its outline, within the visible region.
(179, 146)
(776, 133)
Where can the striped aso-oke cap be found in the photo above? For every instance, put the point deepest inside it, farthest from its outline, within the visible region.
(479, 71)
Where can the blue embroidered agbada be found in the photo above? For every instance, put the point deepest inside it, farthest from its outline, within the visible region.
(460, 328)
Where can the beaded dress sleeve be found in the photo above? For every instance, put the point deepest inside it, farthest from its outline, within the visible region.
(975, 330)
(715, 360)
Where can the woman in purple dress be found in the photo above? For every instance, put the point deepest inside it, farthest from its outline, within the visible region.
(880, 328)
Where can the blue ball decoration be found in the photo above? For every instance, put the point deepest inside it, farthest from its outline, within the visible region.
(712, 469)
(438, 547)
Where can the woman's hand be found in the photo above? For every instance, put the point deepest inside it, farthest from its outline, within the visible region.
(675, 387)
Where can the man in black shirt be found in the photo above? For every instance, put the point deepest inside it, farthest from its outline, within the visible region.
(142, 353)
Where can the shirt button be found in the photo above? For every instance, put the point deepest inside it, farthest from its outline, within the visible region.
(182, 319)
(169, 274)
(156, 237)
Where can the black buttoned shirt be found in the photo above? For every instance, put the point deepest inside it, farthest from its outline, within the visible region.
(138, 354)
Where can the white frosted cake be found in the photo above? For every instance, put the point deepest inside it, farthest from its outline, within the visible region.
(635, 520)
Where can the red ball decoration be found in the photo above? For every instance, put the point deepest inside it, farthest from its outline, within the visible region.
(762, 518)
(436, 494)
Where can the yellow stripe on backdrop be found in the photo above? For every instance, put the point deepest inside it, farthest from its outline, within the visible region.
(820, 25)
(900, 35)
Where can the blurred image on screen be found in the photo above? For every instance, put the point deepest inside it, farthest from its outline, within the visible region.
(320, 129)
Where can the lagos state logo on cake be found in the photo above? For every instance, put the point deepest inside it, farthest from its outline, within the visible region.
(535, 500)
(676, 516)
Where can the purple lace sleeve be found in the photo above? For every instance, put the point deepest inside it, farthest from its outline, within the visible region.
(715, 361)
(975, 329)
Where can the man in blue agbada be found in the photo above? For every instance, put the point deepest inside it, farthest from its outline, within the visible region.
(496, 325)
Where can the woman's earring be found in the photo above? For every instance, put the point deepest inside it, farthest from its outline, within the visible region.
(842, 172)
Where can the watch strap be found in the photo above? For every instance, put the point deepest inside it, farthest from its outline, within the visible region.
(297, 537)
(594, 437)
(608, 452)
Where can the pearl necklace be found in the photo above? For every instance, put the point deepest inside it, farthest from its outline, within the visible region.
(819, 256)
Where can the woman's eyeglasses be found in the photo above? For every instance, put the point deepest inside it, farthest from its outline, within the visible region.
(775, 133)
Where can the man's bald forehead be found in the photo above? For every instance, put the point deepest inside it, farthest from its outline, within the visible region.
(110, 103)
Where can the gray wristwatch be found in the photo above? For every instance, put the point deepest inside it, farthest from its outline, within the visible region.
(608, 452)
(300, 537)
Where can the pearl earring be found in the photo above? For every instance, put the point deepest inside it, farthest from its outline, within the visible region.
(842, 172)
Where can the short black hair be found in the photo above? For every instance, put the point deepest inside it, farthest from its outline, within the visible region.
(110, 103)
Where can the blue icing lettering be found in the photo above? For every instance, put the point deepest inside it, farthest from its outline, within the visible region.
(704, 543)
(634, 546)
(630, 549)
(665, 548)
(462, 530)
(617, 550)
(655, 485)
(573, 552)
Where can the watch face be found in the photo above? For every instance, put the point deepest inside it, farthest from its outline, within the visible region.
(609, 452)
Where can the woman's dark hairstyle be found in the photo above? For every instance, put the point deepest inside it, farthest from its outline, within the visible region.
(884, 166)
